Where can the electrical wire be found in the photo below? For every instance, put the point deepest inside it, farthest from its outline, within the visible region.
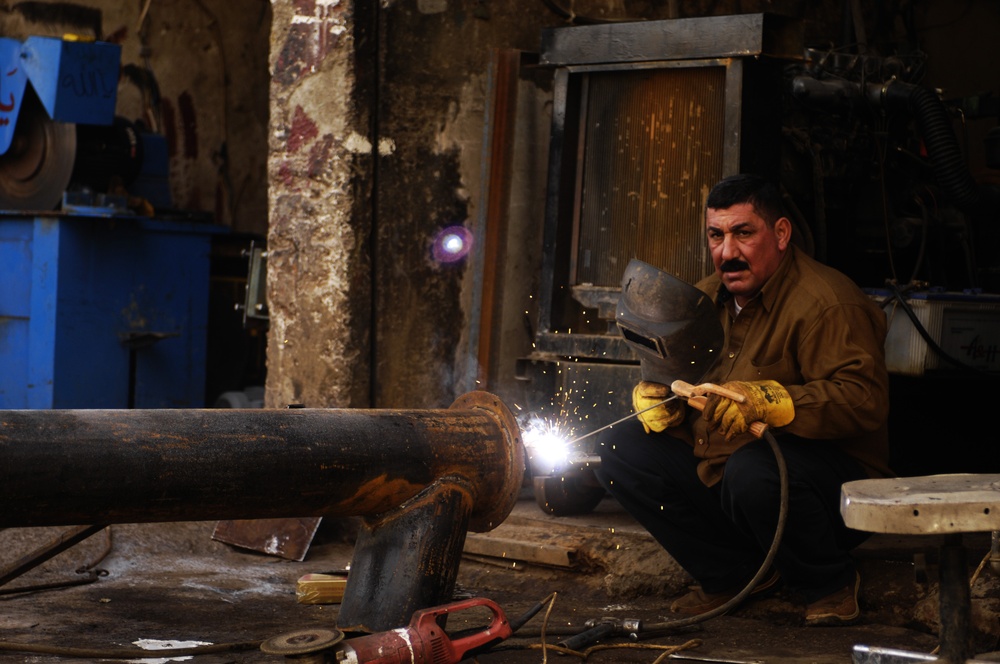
(546, 647)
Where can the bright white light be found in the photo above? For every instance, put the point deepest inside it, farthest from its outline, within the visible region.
(453, 243)
(547, 444)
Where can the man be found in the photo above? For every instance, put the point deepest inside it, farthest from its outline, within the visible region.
(806, 348)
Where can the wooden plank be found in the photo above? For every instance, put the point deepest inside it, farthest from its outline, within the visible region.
(556, 555)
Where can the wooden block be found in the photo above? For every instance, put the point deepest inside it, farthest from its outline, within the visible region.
(559, 554)
(321, 588)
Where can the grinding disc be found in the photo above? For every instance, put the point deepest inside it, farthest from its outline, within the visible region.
(302, 642)
(36, 169)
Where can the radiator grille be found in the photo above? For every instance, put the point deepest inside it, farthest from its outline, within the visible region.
(653, 147)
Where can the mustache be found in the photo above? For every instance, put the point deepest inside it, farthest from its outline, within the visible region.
(733, 266)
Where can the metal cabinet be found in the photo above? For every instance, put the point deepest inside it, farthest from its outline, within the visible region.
(103, 312)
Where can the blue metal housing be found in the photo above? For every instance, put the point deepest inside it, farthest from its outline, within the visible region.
(75, 81)
(103, 312)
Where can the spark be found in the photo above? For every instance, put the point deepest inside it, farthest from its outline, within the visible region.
(546, 441)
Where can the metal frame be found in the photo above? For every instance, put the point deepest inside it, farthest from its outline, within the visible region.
(558, 211)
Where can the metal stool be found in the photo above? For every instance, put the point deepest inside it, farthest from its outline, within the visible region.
(947, 505)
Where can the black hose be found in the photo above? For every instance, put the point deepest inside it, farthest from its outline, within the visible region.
(923, 105)
(945, 154)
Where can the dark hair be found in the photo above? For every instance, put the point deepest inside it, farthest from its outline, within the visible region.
(746, 188)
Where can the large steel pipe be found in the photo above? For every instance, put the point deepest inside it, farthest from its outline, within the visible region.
(75, 467)
(420, 479)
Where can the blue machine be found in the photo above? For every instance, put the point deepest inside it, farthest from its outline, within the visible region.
(74, 81)
(99, 307)
(103, 312)
(47, 86)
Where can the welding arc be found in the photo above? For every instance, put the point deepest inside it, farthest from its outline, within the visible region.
(619, 421)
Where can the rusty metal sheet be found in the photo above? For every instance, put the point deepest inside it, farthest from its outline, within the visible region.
(285, 538)
(700, 37)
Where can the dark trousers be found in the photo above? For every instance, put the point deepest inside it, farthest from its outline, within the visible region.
(721, 534)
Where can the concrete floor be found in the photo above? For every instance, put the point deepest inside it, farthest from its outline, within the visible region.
(174, 583)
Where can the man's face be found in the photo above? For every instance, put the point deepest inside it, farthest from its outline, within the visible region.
(745, 250)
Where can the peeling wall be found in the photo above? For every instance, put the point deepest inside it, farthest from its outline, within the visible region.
(317, 248)
(362, 313)
(434, 104)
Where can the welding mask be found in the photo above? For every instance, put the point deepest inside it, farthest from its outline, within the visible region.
(672, 326)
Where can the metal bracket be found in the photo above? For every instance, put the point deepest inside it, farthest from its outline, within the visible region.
(254, 305)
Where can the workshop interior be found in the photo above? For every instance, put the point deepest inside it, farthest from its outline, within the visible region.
(379, 250)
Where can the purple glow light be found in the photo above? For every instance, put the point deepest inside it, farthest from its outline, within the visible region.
(452, 244)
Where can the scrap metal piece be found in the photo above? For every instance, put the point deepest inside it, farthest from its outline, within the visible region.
(284, 538)
(47, 551)
(870, 655)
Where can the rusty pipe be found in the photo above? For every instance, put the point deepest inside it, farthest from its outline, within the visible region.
(76, 467)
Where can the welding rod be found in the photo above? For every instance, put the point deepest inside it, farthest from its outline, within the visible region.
(619, 421)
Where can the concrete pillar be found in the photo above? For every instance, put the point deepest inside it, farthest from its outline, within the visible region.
(320, 157)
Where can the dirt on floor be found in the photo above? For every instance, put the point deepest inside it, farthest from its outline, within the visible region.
(171, 585)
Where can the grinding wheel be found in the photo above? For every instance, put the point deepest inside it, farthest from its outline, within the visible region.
(36, 169)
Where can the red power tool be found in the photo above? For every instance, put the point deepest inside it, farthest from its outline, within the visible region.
(424, 641)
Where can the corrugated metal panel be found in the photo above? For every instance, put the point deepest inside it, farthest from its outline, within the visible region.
(653, 148)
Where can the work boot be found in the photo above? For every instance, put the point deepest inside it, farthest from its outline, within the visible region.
(697, 601)
(839, 608)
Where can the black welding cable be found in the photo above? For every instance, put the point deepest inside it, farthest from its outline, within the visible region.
(519, 622)
(654, 629)
(126, 653)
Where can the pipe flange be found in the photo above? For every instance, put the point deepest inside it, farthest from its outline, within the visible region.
(302, 642)
(498, 506)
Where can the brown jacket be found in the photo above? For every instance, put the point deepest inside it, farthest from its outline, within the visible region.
(815, 332)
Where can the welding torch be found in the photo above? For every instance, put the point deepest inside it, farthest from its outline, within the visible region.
(695, 395)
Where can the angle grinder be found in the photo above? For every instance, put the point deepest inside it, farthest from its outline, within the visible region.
(424, 641)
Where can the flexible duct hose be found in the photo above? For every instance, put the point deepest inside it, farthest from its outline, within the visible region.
(933, 123)
(947, 162)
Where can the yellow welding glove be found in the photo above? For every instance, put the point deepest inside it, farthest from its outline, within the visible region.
(766, 401)
(663, 416)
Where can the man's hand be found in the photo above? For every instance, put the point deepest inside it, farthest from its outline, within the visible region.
(664, 416)
(766, 401)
